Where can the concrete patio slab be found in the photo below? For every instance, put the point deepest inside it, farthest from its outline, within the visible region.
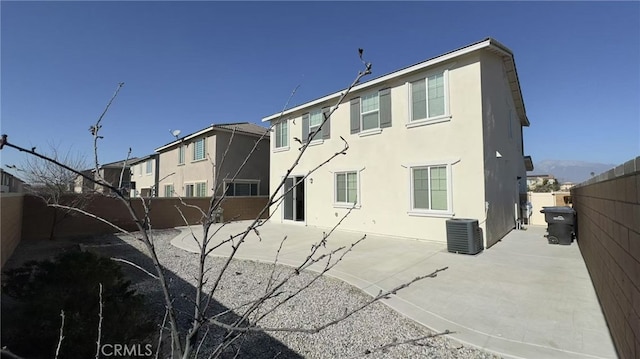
(522, 298)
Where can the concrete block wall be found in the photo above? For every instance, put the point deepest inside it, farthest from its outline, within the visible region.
(11, 225)
(608, 231)
(38, 218)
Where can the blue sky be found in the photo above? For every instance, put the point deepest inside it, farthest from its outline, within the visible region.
(187, 65)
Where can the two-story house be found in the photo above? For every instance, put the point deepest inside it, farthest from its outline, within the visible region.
(534, 180)
(144, 176)
(10, 183)
(190, 164)
(436, 140)
(115, 173)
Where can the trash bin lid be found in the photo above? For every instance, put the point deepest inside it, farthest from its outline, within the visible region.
(557, 209)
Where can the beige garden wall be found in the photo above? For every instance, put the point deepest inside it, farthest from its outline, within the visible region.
(11, 225)
(544, 199)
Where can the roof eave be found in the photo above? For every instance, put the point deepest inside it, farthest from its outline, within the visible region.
(204, 131)
(188, 137)
(428, 63)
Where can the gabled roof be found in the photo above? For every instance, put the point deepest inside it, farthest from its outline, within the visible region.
(488, 43)
(141, 159)
(119, 164)
(246, 128)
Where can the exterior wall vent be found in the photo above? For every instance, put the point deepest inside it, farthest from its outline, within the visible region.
(464, 236)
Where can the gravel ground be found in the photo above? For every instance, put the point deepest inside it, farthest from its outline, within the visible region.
(361, 335)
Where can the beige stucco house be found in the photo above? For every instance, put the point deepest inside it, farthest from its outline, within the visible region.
(10, 183)
(112, 173)
(436, 140)
(189, 164)
(144, 176)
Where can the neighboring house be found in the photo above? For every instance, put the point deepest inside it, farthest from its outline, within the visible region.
(83, 185)
(112, 173)
(10, 183)
(566, 186)
(436, 140)
(189, 164)
(144, 176)
(538, 180)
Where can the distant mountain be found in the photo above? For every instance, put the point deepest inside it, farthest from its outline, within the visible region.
(570, 171)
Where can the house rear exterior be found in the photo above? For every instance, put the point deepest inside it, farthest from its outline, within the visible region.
(436, 140)
(189, 165)
(144, 176)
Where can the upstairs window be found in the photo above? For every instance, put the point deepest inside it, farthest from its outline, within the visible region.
(371, 113)
(311, 123)
(369, 106)
(149, 166)
(199, 151)
(181, 155)
(282, 134)
(315, 120)
(429, 97)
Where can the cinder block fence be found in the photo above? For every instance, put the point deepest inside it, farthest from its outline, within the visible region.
(608, 231)
(11, 226)
(37, 217)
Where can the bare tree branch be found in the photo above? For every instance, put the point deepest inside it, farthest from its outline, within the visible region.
(100, 318)
(134, 265)
(164, 321)
(95, 129)
(61, 338)
(413, 341)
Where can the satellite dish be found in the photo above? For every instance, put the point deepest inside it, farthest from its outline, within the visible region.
(175, 133)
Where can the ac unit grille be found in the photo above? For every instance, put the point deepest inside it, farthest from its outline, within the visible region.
(464, 236)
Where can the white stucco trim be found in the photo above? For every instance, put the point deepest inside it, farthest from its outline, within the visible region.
(280, 149)
(373, 131)
(429, 121)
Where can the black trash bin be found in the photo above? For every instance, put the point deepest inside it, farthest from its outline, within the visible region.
(560, 222)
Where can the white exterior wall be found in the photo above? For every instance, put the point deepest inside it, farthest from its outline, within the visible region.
(382, 160)
(501, 184)
(140, 176)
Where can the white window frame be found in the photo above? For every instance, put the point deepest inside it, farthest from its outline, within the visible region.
(337, 204)
(278, 128)
(195, 185)
(172, 192)
(318, 137)
(204, 149)
(182, 149)
(373, 130)
(149, 167)
(447, 109)
(431, 212)
(242, 181)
